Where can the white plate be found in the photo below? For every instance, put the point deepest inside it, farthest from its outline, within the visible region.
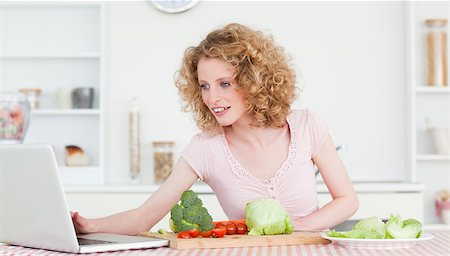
(378, 243)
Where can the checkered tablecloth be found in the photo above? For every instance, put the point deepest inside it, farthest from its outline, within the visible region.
(438, 246)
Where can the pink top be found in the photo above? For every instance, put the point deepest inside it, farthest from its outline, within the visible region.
(294, 184)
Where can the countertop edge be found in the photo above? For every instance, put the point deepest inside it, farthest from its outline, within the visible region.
(370, 187)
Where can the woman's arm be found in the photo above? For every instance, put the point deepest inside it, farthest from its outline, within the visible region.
(144, 217)
(345, 201)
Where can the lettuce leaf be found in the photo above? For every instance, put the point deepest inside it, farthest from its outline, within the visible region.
(396, 228)
(373, 224)
(375, 228)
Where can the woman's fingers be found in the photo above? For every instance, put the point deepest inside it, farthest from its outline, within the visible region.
(77, 221)
(82, 224)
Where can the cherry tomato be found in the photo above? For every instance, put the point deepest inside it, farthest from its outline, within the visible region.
(238, 221)
(207, 233)
(241, 228)
(218, 232)
(223, 227)
(225, 222)
(194, 232)
(218, 224)
(231, 228)
(183, 234)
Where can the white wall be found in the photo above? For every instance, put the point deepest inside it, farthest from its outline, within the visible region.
(351, 56)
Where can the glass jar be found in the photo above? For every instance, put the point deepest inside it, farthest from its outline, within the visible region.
(162, 160)
(14, 117)
(33, 95)
(437, 52)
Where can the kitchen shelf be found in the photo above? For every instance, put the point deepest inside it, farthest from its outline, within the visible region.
(58, 46)
(56, 112)
(433, 89)
(52, 56)
(433, 157)
(424, 102)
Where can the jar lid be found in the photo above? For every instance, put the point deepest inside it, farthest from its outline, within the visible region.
(159, 143)
(436, 22)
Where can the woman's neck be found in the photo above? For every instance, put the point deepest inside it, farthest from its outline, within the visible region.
(255, 137)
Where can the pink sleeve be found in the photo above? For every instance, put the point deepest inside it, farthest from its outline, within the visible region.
(318, 130)
(195, 155)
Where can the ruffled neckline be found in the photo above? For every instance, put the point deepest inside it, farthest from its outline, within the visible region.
(239, 170)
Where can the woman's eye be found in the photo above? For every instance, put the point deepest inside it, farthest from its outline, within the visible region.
(225, 84)
(204, 86)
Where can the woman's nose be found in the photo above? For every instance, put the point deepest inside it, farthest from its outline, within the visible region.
(214, 96)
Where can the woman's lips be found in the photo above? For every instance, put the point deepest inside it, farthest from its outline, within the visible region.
(222, 112)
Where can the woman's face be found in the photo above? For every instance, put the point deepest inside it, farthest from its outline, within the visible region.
(219, 90)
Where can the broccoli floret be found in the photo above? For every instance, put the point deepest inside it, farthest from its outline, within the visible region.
(188, 198)
(203, 211)
(198, 202)
(206, 223)
(190, 214)
(184, 225)
(176, 213)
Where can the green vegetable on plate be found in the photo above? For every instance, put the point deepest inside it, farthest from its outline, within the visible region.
(375, 228)
(396, 228)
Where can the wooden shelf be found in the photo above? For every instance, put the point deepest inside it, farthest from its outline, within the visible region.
(433, 157)
(60, 112)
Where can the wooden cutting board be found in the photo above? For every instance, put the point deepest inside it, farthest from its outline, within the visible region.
(295, 238)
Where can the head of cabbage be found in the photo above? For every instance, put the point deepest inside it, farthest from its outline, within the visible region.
(266, 216)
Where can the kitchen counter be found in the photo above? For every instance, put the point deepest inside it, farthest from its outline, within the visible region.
(438, 246)
(199, 187)
(376, 199)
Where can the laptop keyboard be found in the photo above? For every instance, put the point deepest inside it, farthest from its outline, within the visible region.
(84, 241)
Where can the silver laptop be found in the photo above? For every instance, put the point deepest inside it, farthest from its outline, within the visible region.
(34, 211)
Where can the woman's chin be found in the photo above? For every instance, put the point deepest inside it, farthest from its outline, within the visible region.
(224, 123)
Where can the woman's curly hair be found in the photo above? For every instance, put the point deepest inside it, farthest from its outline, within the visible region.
(262, 73)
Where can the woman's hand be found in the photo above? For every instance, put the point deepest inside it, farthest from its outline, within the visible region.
(81, 224)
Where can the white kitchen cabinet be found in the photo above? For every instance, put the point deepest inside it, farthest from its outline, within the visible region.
(425, 101)
(375, 200)
(383, 204)
(53, 46)
(94, 205)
